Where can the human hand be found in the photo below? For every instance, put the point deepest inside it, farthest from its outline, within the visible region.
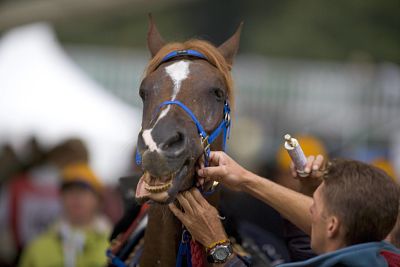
(199, 217)
(225, 170)
(314, 170)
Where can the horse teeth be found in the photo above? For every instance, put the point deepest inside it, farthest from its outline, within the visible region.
(158, 188)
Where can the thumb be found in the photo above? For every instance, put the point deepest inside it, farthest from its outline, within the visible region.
(211, 172)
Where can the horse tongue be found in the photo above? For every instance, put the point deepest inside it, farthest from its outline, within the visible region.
(140, 188)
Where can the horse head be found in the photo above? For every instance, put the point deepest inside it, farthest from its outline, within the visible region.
(196, 74)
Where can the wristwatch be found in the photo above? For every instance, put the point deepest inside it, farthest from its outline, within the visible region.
(220, 253)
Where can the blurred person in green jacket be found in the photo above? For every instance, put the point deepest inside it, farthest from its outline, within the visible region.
(79, 237)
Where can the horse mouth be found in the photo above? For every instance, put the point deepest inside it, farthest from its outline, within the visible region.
(159, 189)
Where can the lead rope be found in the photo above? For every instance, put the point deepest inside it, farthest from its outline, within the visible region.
(191, 250)
(184, 250)
(198, 254)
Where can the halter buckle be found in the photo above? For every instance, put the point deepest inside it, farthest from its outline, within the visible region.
(181, 52)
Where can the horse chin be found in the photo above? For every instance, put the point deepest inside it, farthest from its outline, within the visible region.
(163, 190)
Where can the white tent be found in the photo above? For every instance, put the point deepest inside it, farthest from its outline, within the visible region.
(43, 93)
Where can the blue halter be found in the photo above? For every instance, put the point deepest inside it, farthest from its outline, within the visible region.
(182, 53)
(206, 140)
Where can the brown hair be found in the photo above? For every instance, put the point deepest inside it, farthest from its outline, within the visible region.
(210, 51)
(365, 199)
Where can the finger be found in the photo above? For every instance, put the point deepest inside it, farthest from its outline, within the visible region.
(201, 162)
(184, 203)
(177, 212)
(293, 170)
(194, 204)
(319, 160)
(308, 166)
(201, 181)
(291, 165)
(199, 198)
(217, 158)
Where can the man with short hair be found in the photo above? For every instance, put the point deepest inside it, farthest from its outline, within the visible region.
(351, 212)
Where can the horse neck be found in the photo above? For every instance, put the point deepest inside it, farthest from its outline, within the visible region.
(163, 234)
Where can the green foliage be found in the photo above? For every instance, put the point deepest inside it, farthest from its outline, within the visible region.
(317, 29)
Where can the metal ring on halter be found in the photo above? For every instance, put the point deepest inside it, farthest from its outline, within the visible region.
(185, 236)
(228, 117)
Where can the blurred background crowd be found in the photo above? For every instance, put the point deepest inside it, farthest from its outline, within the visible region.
(325, 71)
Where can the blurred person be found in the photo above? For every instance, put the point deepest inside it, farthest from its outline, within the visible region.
(34, 194)
(351, 212)
(34, 153)
(80, 237)
(29, 200)
(10, 164)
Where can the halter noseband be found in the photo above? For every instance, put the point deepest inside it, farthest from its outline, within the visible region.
(206, 139)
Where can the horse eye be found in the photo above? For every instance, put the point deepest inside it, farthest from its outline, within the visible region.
(218, 93)
(142, 94)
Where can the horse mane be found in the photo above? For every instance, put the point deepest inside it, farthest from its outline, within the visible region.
(209, 50)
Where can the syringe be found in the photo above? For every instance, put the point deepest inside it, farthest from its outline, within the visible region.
(296, 154)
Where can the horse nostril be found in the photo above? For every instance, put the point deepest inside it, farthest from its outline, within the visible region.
(174, 142)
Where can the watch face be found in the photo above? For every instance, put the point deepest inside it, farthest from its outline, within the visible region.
(221, 253)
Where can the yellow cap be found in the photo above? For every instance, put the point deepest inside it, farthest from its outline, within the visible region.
(386, 166)
(310, 145)
(81, 172)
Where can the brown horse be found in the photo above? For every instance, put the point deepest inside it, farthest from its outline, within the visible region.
(169, 142)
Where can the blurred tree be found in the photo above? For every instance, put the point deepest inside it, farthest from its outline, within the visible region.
(338, 30)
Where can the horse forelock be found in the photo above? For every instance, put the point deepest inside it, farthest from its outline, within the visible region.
(212, 53)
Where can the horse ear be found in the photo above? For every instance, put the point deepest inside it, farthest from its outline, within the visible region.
(230, 47)
(154, 40)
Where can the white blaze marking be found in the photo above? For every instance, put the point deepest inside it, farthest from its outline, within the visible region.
(148, 140)
(178, 72)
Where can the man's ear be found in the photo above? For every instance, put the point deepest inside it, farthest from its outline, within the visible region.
(333, 227)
